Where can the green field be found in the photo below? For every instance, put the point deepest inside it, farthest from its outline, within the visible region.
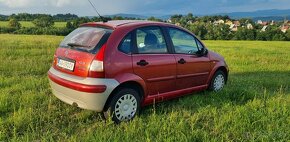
(254, 106)
(30, 24)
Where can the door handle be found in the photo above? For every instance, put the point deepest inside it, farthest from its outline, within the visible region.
(181, 61)
(142, 63)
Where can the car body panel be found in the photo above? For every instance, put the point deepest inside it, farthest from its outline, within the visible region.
(194, 72)
(160, 73)
(79, 96)
(82, 61)
(163, 78)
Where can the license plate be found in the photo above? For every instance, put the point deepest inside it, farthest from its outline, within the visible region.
(69, 65)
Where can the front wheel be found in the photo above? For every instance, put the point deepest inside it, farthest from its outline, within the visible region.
(124, 106)
(218, 81)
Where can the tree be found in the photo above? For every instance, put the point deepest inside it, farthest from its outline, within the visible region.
(45, 21)
(175, 18)
(118, 18)
(13, 23)
(152, 18)
(288, 35)
(199, 29)
(245, 34)
(223, 32)
(69, 25)
(77, 22)
(245, 21)
(218, 32)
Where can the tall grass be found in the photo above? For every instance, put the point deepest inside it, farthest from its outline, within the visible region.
(30, 24)
(254, 106)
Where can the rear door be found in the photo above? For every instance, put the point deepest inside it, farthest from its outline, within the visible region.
(152, 61)
(192, 69)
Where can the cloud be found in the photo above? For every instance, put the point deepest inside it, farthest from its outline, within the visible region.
(17, 3)
(142, 7)
(34, 3)
(61, 3)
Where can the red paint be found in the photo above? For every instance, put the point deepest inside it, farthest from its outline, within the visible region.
(163, 78)
(77, 86)
(159, 74)
(82, 61)
(171, 95)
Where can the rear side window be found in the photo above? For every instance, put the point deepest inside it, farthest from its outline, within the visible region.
(126, 43)
(150, 40)
(87, 39)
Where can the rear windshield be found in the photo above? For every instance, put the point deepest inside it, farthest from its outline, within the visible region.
(87, 39)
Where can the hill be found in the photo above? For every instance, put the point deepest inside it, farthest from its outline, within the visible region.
(260, 13)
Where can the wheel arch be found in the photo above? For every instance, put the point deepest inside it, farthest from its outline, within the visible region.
(224, 69)
(128, 84)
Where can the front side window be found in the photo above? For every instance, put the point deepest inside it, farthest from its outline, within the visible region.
(183, 42)
(150, 40)
(200, 46)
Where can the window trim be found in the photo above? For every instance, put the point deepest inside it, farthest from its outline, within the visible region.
(163, 32)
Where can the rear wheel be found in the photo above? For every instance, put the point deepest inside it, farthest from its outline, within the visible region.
(218, 81)
(124, 106)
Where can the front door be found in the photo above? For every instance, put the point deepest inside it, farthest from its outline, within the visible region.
(152, 61)
(192, 69)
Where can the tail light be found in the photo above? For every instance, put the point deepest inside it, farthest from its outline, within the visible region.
(97, 66)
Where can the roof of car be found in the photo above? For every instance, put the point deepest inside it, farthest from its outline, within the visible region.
(117, 23)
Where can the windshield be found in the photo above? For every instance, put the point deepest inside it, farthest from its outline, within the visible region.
(88, 39)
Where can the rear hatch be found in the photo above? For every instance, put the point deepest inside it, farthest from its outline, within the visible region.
(80, 49)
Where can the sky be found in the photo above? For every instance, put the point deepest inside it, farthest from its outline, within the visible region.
(141, 7)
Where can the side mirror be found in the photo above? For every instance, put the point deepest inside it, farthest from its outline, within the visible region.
(205, 51)
(202, 52)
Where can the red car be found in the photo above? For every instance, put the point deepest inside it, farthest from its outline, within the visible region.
(116, 67)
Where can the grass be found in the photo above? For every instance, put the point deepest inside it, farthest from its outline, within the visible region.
(30, 24)
(254, 106)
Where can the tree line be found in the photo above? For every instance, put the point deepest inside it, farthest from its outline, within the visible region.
(203, 27)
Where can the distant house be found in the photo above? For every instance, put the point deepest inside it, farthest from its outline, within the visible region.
(250, 26)
(234, 28)
(265, 23)
(287, 22)
(189, 22)
(237, 23)
(168, 20)
(285, 28)
(229, 22)
(272, 23)
(264, 28)
(177, 24)
(259, 22)
(219, 22)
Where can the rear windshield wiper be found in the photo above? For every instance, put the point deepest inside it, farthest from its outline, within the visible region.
(77, 45)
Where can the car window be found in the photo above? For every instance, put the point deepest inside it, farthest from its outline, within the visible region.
(200, 46)
(183, 42)
(125, 45)
(150, 40)
(87, 39)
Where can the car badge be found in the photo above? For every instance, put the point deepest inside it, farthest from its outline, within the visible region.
(66, 53)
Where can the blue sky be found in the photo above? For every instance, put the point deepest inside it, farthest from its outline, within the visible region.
(142, 7)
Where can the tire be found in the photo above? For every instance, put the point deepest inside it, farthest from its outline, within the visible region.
(124, 106)
(218, 81)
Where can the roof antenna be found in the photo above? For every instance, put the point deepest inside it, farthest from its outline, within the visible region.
(102, 18)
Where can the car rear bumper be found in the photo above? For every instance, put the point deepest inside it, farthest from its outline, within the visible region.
(86, 93)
